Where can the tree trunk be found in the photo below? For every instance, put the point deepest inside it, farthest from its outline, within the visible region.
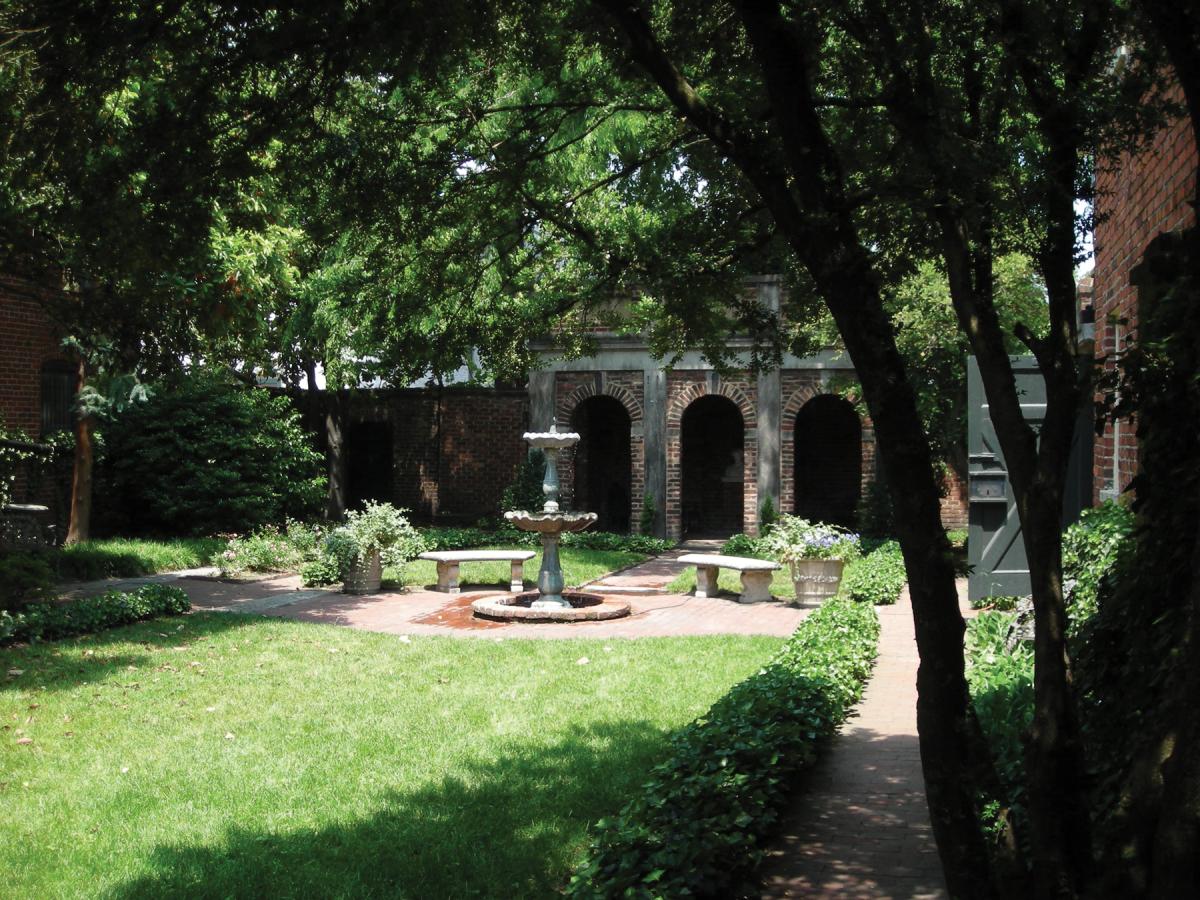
(950, 745)
(80, 528)
(335, 454)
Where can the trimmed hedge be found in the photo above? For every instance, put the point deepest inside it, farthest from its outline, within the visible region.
(699, 825)
(878, 577)
(50, 621)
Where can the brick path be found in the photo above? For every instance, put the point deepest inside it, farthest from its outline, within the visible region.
(860, 827)
(415, 610)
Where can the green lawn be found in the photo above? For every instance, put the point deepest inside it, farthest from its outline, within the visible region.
(131, 557)
(579, 567)
(221, 756)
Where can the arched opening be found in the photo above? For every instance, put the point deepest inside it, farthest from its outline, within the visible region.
(828, 461)
(369, 463)
(603, 469)
(711, 438)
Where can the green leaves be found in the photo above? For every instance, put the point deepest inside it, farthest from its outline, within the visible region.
(51, 621)
(878, 577)
(698, 826)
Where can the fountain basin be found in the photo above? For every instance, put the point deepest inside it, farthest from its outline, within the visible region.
(519, 608)
(551, 523)
(551, 440)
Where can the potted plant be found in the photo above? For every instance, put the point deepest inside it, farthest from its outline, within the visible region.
(816, 554)
(376, 535)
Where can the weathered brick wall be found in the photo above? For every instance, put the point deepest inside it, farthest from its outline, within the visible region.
(28, 340)
(954, 502)
(1138, 197)
(454, 452)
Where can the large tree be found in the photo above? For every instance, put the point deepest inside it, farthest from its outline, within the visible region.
(500, 165)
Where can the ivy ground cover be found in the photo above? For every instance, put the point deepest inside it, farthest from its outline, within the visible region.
(230, 756)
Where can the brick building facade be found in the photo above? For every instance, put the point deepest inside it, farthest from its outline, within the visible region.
(1137, 197)
(709, 448)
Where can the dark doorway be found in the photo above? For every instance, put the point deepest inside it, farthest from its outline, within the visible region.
(602, 462)
(711, 436)
(369, 463)
(828, 461)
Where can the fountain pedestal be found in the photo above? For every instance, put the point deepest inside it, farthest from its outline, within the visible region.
(550, 523)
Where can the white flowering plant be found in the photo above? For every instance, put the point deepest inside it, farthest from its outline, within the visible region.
(792, 539)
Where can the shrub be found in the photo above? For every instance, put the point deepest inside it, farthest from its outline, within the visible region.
(272, 550)
(467, 538)
(746, 545)
(24, 578)
(1092, 548)
(698, 826)
(875, 516)
(649, 514)
(1001, 683)
(878, 577)
(50, 621)
(525, 492)
(206, 456)
(767, 516)
(320, 572)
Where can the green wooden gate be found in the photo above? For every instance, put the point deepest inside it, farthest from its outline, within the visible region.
(995, 547)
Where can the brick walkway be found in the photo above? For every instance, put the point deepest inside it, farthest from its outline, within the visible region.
(860, 827)
(415, 610)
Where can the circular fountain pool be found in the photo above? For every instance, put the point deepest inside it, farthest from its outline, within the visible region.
(519, 608)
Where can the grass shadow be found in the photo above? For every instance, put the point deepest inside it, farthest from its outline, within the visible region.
(512, 826)
(44, 666)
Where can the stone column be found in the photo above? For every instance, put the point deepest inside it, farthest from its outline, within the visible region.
(770, 410)
(541, 399)
(654, 444)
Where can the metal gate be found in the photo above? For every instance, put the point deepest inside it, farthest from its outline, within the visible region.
(995, 548)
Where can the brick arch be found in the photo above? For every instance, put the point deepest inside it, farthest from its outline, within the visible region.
(679, 404)
(792, 408)
(565, 407)
(694, 392)
(787, 427)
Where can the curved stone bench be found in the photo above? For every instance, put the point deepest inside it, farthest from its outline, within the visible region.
(448, 562)
(756, 574)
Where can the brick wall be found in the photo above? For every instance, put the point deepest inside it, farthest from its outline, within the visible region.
(1138, 197)
(28, 340)
(453, 455)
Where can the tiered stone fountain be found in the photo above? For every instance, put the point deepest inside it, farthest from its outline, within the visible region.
(551, 603)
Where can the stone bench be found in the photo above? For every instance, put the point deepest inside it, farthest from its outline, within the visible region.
(448, 562)
(756, 574)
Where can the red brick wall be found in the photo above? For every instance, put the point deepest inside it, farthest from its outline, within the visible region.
(453, 456)
(27, 341)
(1138, 197)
